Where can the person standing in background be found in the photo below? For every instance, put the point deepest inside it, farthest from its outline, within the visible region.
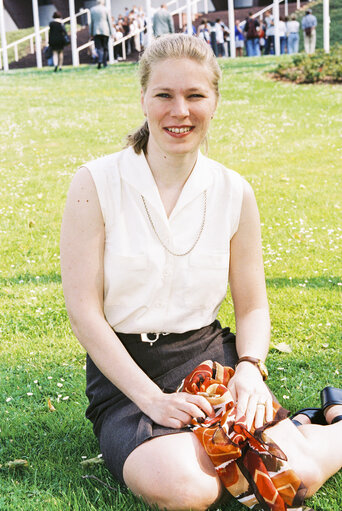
(293, 34)
(219, 38)
(239, 39)
(162, 22)
(58, 38)
(309, 23)
(282, 35)
(100, 29)
(251, 30)
(269, 34)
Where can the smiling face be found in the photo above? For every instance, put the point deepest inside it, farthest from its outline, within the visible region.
(179, 102)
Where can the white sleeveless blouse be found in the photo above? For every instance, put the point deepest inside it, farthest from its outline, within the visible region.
(147, 289)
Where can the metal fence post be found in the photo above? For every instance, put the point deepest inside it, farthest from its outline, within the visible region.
(3, 36)
(326, 26)
(37, 33)
(149, 21)
(73, 33)
(276, 27)
(231, 19)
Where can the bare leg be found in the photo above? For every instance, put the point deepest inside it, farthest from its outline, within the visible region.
(60, 59)
(174, 472)
(314, 452)
(55, 57)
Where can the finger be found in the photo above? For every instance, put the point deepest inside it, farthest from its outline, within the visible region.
(269, 410)
(259, 415)
(194, 411)
(182, 416)
(201, 403)
(251, 410)
(174, 423)
(242, 403)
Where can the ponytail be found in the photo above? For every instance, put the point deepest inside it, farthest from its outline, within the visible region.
(139, 139)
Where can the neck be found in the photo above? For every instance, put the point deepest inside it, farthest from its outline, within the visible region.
(170, 170)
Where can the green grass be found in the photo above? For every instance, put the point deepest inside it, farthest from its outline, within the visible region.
(285, 139)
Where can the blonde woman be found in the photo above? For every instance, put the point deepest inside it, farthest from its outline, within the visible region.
(150, 237)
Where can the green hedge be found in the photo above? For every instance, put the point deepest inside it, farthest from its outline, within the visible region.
(319, 67)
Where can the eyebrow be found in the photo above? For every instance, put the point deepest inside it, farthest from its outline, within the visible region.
(191, 89)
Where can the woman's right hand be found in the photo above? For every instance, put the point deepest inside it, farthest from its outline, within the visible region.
(178, 409)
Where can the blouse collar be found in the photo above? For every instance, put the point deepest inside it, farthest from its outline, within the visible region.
(137, 173)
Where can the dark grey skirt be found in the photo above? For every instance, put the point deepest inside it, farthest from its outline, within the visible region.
(118, 423)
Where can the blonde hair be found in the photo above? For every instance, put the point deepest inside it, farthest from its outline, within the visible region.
(172, 46)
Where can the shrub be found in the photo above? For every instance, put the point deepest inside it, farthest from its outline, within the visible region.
(319, 67)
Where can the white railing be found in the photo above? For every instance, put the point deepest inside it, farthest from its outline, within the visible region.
(179, 10)
(44, 32)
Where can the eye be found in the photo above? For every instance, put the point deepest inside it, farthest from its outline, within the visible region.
(163, 95)
(196, 95)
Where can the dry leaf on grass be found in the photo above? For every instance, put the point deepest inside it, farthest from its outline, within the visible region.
(283, 347)
(50, 405)
(91, 462)
(16, 464)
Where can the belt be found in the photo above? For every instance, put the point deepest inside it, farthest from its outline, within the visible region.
(293, 32)
(150, 337)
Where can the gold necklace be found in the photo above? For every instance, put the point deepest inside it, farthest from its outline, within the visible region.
(198, 235)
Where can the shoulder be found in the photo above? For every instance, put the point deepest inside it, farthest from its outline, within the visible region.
(107, 164)
(223, 173)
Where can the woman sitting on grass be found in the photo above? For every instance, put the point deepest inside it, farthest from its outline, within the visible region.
(150, 236)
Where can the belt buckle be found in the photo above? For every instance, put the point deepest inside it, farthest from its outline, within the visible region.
(149, 337)
(152, 337)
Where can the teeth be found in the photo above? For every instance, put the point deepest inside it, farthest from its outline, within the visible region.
(178, 130)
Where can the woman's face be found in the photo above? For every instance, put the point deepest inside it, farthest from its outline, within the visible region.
(179, 103)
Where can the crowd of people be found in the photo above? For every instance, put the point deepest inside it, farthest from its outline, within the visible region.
(253, 36)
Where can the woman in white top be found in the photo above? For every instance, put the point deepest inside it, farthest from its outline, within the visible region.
(149, 238)
(293, 34)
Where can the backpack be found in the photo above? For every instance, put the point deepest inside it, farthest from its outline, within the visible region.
(251, 31)
(308, 31)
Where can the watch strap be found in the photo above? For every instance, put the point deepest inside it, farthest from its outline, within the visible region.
(257, 362)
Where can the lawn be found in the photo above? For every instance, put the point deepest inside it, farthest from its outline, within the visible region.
(284, 138)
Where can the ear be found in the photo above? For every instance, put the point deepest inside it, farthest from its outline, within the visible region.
(142, 101)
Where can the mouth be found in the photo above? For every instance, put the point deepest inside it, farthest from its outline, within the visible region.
(179, 130)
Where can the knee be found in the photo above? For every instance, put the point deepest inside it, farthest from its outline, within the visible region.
(312, 477)
(182, 493)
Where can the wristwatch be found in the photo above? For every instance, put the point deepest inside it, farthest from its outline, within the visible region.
(257, 362)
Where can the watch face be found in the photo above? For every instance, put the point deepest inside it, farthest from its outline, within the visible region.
(263, 369)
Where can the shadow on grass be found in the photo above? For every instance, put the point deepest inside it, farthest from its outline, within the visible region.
(313, 282)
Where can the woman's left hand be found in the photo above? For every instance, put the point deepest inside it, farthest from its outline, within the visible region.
(251, 394)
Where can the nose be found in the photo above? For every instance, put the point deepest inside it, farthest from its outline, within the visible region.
(179, 107)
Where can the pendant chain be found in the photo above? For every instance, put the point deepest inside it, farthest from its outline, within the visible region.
(198, 235)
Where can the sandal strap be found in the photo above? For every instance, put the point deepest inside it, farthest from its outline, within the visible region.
(331, 396)
(336, 419)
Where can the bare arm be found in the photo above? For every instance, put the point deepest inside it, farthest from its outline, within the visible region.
(82, 253)
(247, 283)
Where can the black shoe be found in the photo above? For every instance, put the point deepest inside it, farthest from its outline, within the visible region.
(99, 65)
(331, 396)
(56, 69)
(315, 415)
